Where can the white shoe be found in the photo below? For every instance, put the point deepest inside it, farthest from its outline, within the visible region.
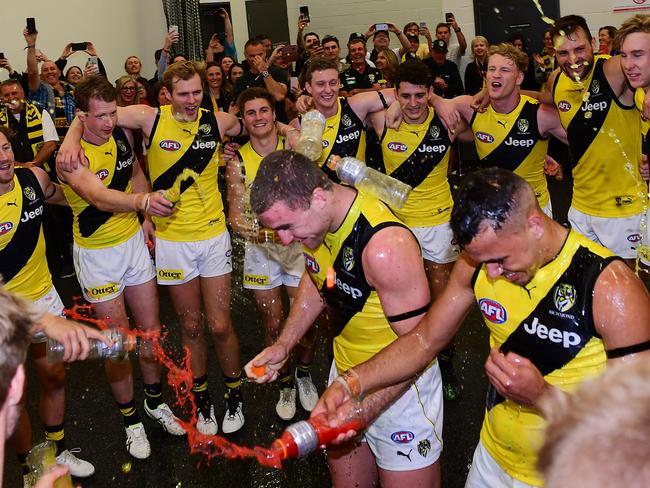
(164, 416)
(78, 467)
(137, 443)
(307, 392)
(207, 426)
(286, 406)
(234, 418)
(29, 480)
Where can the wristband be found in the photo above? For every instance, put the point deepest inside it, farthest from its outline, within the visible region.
(457, 30)
(28, 46)
(353, 382)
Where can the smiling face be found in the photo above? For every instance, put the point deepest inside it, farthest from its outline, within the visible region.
(635, 59)
(74, 75)
(357, 50)
(382, 61)
(324, 89)
(479, 48)
(575, 54)
(14, 96)
(50, 73)
(6, 161)
(258, 117)
(214, 77)
(128, 92)
(502, 77)
(413, 100)
(185, 97)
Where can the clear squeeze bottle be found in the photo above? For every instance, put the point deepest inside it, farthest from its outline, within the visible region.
(121, 344)
(310, 143)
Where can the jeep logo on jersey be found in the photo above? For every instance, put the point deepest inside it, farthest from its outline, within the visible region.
(485, 137)
(102, 174)
(425, 148)
(557, 336)
(310, 263)
(522, 125)
(402, 437)
(519, 143)
(6, 227)
(397, 147)
(564, 297)
(346, 120)
(634, 238)
(204, 145)
(29, 193)
(493, 311)
(348, 290)
(597, 107)
(348, 137)
(348, 259)
(27, 216)
(169, 145)
(563, 106)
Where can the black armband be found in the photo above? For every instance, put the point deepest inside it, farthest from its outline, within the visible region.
(383, 100)
(47, 197)
(619, 352)
(410, 314)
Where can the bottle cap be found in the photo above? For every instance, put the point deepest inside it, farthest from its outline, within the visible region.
(331, 277)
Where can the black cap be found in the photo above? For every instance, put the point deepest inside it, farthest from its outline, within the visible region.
(439, 45)
(355, 36)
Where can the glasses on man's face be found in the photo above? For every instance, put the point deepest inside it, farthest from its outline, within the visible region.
(128, 88)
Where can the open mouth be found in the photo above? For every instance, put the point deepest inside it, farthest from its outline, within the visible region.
(5, 166)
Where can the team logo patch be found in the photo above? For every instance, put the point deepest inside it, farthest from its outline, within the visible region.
(424, 446)
(171, 274)
(435, 132)
(564, 297)
(103, 290)
(205, 129)
(102, 174)
(402, 437)
(634, 238)
(485, 137)
(563, 106)
(397, 147)
(29, 193)
(5, 227)
(310, 263)
(595, 87)
(169, 145)
(493, 311)
(346, 120)
(522, 125)
(121, 146)
(348, 259)
(256, 280)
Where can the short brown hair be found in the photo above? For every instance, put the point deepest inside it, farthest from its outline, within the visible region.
(93, 86)
(11, 82)
(8, 132)
(509, 51)
(638, 23)
(253, 93)
(182, 70)
(569, 24)
(319, 63)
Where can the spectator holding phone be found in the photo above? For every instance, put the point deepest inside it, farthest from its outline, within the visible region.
(413, 29)
(381, 39)
(92, 68)
(443, 31)
(360, 76)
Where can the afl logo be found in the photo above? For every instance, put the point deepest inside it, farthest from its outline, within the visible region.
(402, 437)
(397, 147)
(102, 174)
(485, 137)
(311, 264)
(6, 227)
(563, 106)
(634, 238)
(493, 311)
(168, 145)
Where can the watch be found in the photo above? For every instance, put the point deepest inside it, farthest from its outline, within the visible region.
(457, 30)
(265, 74)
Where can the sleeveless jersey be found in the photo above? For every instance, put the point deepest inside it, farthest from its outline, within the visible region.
(418, 155)
(174, 146)
(344, 135)
(29, 131)
(512, 141)
(639, 97)
(550, 323)
(112, 162)
(22, 246)
(360, 326)
(605, 144)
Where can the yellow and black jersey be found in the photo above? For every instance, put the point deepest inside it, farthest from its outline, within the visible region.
(29, 131)
(549, 322)
(639, 97)
(360, 326)
(112, 162)
(251, 160)
(605, 143)
(173, 147)
(344, 135)
(512, 141)
(22, 247)
(418, 155)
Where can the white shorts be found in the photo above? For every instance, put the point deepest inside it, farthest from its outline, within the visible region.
(619, 235)
(104, 273)
(408, 434)
(436, 243)
(48, 303)
(486, 473)
(180, 262)
(267, 266)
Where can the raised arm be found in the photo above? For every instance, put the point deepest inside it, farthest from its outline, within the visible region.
(33, 76)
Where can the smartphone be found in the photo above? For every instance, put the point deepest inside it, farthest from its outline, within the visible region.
(294, 83)
(92, 60)
(31, 25)
(79, 46)
(173, 29)
(2, 56)
(423, 25)
(289, 53)
(304, 13)
(449, 17)
(380, 27)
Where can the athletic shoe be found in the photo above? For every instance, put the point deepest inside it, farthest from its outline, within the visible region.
(78, 467)
(29, 480)
(307, 392)
(207, 425)
(286, 406)
(137, 443)
(233, 420)
(164, 416)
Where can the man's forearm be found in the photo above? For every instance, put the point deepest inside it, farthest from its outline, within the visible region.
(304, 311)
(376, 402)
(276, 89)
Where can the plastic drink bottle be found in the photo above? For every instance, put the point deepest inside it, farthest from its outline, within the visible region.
(310, 143)
(122, 344)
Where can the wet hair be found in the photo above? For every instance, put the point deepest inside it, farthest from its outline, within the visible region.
(288, 177)
(508, 50)
(95, 86)
(253, 93)
(17, 318)
(488, 196)
(183, 70)
(569, 24)
(416, 73)
(638, 23)
(319, 63)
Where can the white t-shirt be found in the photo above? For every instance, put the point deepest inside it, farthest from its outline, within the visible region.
(49, 131)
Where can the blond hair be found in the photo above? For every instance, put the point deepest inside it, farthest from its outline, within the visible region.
(638, 23)
(509, 51)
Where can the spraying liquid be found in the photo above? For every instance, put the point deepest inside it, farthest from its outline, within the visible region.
(173, 194)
